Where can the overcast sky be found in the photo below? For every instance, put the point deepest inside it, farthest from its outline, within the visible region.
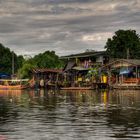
(29, 27)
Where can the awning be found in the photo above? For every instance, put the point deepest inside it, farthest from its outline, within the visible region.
(69, 66)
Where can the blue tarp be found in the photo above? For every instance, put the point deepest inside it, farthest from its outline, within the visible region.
(4, 75)
(125, 71)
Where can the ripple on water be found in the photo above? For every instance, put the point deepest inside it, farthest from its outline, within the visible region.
(70, 115)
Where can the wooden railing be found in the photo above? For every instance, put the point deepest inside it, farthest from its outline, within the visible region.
(131, 80)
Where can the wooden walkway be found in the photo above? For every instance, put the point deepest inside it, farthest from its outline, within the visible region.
(92, 87)
(77, 88)
(131, 86)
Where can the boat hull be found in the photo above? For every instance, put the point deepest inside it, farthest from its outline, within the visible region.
(14, 87)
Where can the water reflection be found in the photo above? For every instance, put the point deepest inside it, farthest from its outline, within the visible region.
(42, 114)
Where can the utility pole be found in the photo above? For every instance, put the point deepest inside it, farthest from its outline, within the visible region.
(13, 64)
(127, 53)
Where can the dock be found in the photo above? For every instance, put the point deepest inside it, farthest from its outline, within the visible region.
(126, 86)
(92, 87)
(77, 88)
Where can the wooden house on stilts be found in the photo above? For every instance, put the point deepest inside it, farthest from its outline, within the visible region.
(45, 77)
(123, 73)
(81, 70)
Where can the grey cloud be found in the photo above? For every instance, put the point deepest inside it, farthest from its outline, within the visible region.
(8, 28)
(32, 26)
(60, 1)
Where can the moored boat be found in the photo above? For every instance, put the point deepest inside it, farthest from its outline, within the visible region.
(16, 84)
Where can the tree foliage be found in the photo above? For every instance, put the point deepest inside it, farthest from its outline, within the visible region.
(124, 44)
(25, 71)
(47, 59)
(23, 67)
(6, 57)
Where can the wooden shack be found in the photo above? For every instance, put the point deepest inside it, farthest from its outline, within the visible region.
(123, 73)
(44, 77)
(81, 68)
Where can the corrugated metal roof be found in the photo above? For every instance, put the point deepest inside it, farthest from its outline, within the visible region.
(132, 62)
(69, 65)
(85, 54)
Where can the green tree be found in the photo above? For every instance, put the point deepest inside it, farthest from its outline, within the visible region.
(25, 71)
(20, 60)
(23, 67)
(6, 56)
(124, 44)
(47, 59)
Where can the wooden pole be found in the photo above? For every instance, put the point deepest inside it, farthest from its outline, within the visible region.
(136, 72)
(13, 68)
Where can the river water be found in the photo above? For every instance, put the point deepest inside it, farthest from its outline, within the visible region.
(69, 115)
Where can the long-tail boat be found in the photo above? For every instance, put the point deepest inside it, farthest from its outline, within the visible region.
(16, 84)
